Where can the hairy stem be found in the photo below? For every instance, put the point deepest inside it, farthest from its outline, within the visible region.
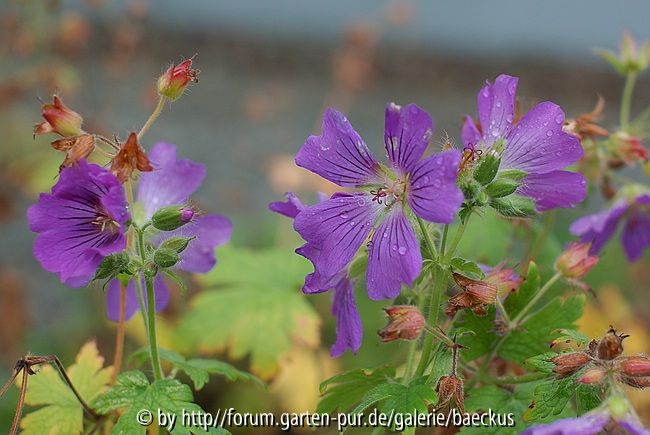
(152, 118)
(626, 100)
(439, 286)
(457, 237)
(151, 329)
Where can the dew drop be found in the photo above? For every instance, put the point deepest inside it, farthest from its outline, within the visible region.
(343, 215)
(509, 117)
(549, 133)
(361, 201)
(394, 247)
(559, 118)
(352, 223)
(324, 146)
(385, 234)
(402, 250)
(436, 183)
(498, 104)
(425, 179)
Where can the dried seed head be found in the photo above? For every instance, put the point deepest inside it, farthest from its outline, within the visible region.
(475, 295)
(404, 322)
(611, 345)
(129, 158)
(450, 393)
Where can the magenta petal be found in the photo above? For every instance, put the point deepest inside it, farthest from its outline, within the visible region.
(538, 144)
(589, 424)
(161, 292)
(432, 191)
(337, 228)
(394, 257)
(598, 228)
(469, 133)
(171, 182)
(338, 154)
(289, 208)
(348, 322)
(636, 235)
(407, 133)
(496, 108)
(554, 189)
(210, 231)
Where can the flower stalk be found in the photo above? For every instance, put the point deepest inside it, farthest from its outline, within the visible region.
(626, 100)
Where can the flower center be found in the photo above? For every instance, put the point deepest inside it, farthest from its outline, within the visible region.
(106, 223)
(389, 193)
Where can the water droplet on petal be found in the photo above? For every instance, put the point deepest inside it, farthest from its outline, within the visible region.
(352, 223)
(385, 234)
(559, 118)
(549, 133)
(436, 182)
(394, 247)
(498, 104)
(343, 215)
(402, 250)
(509, 117)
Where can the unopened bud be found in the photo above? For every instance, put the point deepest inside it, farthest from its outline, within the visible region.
(568, 363)
(505, 279)
(404, 322)
(594, 375)
(502, 187)
(172, 217)
(164, 257)
(514, 206)
(638, 365)
(173, 82)
(470, 188)
(59, 119)
(575, 261)
(487, 169)
(176, 244)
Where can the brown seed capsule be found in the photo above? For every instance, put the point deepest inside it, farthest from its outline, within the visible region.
(568, 363)
(475, 296)
(130, 157)
(450, 392)
(75, 148)
(404, 322)
(611, 345)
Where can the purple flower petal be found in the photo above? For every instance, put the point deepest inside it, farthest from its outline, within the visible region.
(161, 292)
(636, 234)
(171, 182)
(394, 257)
(289, 208)
(632, 426)
(336, 228)
(496, 108)
(210, 231)
(338, 154)
(537, 143)
(554, 189)
(432, 191)
(348, 322)
(598, 228)
(589, 424)
(406, 135)
(81, 222)
(469, 133)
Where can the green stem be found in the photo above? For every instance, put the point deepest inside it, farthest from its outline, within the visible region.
(427, 239)
(409, 361)
(150, 323)
(439, 285)
(443, 242)
(503, 311)
(457, 237)
(151, 329)
(539, 295)
(152, 118)
(510, 380)
(626, 100)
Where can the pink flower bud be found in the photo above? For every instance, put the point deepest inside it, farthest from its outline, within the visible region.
(638, 365)
(594, 375)
(575, 261)
(404, 322)
(568, 363)
(174, 81)
(59, 119)
(187, 214)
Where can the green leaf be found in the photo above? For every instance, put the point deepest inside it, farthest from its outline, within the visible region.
(534, 335)
(399, 399)
(541, 363)
(200, 369)
(484, 338)
(587, 398)
(516, 301)
(252, 306)
(467, 268)
(568, 335)
(343, 391)
(133, 393)
(551, 397)
(62, 413)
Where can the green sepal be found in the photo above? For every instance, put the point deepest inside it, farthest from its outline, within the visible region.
(487, 169)
(501, 187)
(514, 206)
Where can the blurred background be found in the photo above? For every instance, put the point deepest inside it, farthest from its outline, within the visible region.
(268, 70)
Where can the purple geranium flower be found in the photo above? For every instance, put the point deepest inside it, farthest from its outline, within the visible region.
(335, 229)
(172, 182)
(588, 424)
(535, 144)
(79, 223)
(598, 228)
(349, 331)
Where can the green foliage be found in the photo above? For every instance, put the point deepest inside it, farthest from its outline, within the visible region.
(541, 363)
(534, 335)
(516, 301)
(133, 393)
(199, 369)
(62, 413)
(393, 397)
(467, 268)
(568, 335)
(252, 306)
(551, 397)
(343, 391)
